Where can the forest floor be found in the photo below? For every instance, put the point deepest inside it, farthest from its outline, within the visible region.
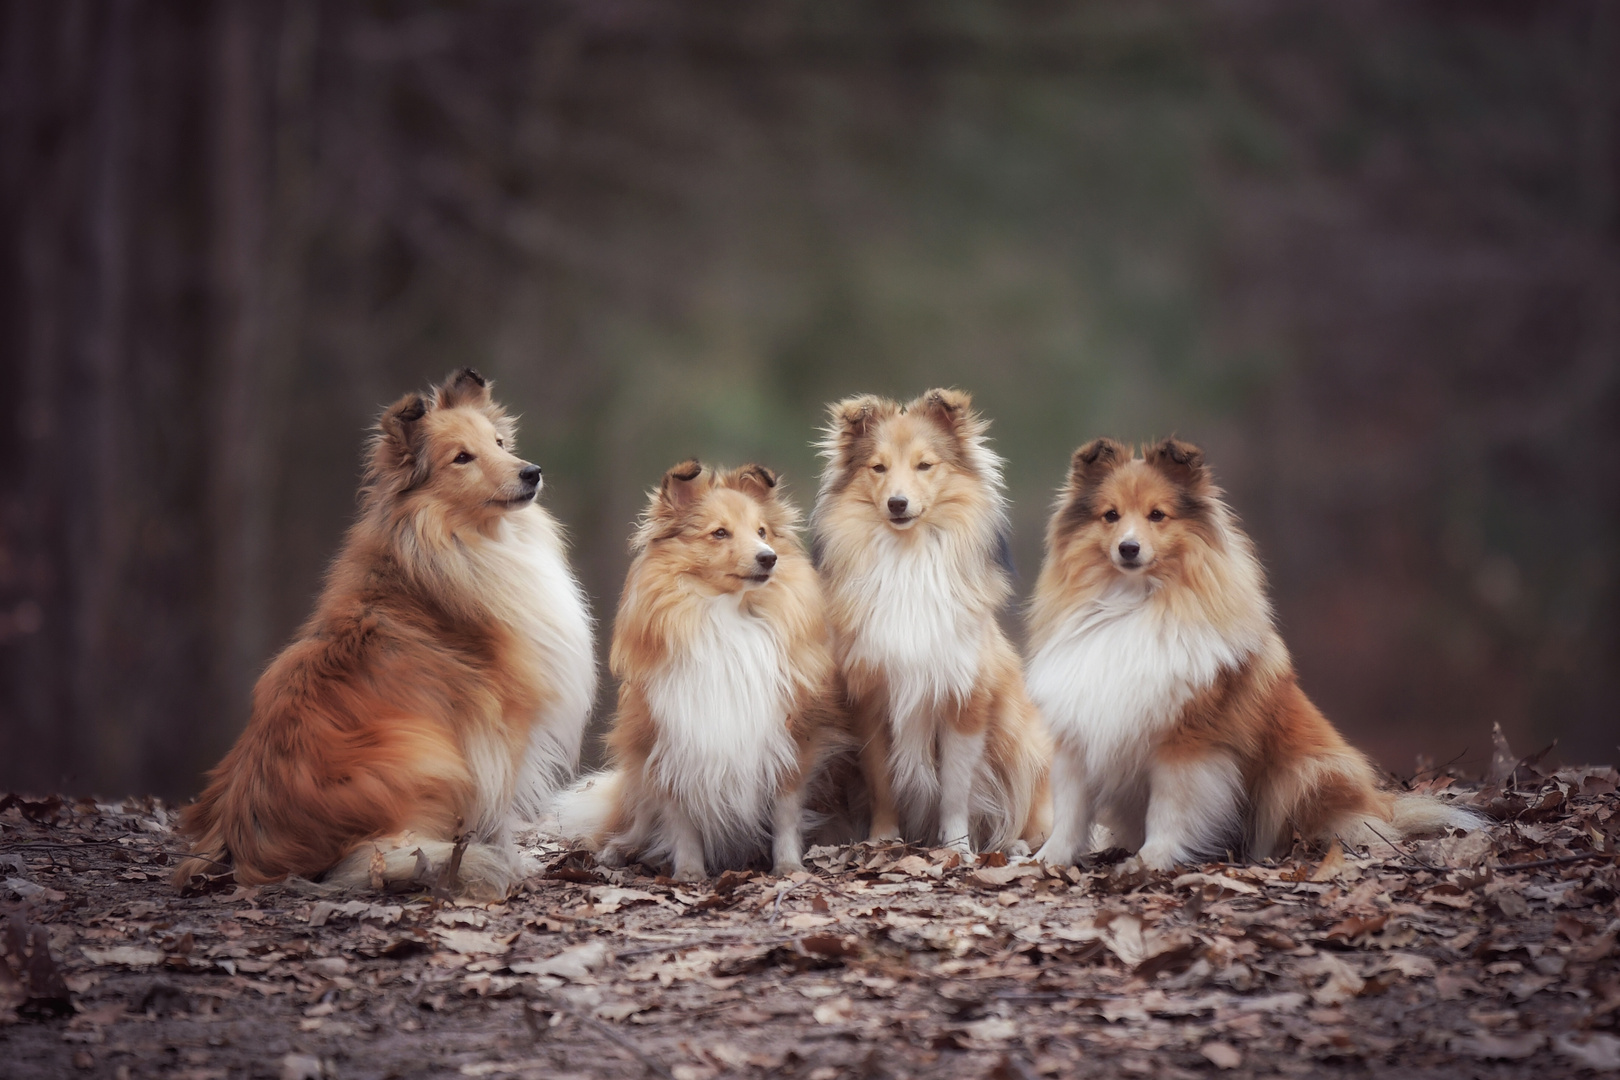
(1481, 955)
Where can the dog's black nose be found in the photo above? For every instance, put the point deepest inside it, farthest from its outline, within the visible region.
(897, 505)
(766, 559)
(1129, 550)
(529, 474)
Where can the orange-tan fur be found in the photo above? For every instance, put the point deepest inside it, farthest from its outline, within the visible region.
(1177, 717)
(441, 685)
(910, 526)
(727, 695)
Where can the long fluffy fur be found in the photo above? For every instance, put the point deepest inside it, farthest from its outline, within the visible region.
(439, 690)
(1172, 700)
(727, 698)
(952, 749)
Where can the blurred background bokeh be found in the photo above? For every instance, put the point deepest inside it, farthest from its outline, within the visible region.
(1367, 254)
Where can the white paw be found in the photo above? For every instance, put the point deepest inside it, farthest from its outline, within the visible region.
(689, 873)
(784, 867)
(883, 836)
(960, 845)
(612, 856)
(1155, 857)
(1017, 850)
(1055, 854)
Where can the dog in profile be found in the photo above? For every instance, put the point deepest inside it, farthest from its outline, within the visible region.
(439, 690)
(727, 695)
(910, 527)
(1178, 721)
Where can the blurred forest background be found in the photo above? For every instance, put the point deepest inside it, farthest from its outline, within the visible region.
(1367, 254)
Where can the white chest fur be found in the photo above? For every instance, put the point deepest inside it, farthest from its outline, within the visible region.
(915, 623)
(523, 576)
(1119, 672)
(721, 706)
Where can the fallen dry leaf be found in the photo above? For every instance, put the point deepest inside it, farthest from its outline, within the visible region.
(1499, 1048)
(1595, 1050)
(1222, 1055)
(571, 963)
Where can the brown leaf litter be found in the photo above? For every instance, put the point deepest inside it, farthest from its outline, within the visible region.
(1492, 954)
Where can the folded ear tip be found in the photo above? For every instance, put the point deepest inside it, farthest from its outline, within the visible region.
(411, 409)
(470, 374)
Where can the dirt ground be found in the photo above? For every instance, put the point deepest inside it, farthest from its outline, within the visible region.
(1484, 955)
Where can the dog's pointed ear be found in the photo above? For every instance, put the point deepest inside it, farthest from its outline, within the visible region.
(463, 387)
(850, 423)
(682, 485)
(396, 449)
(1181, 461)
(1095, 460)
(756, 480)
(948, 408)
(854, 416)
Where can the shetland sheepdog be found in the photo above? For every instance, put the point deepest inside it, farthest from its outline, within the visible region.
(910, 527)
(727, 694)
(439, 690)
(1178, 722)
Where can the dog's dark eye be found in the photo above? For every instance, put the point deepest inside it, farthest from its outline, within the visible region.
(463, 457)
(1111, 516)
(880, 468)
(762, 532)
(501, 443)
(924, 466)
(1156, 515)
(720, 534)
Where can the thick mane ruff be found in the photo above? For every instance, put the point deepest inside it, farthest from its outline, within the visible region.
(1179, 722)
(727, 699)
(441, 685)
(909, 528)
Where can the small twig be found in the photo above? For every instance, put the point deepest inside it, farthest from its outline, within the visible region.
(1562, 860)
(776, 909)
(199, 858)
(1438, 770)
(1402, 852)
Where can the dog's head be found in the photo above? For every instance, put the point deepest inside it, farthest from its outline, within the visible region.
(908, 463)
(452, 448)
(722, 528)
(1139, 514)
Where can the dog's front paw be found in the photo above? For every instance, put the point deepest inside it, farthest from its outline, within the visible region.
(1155, 857)
(784, 867)
(612, 856)
(1016, 850)
(886, 835)
(961, 845)
(689, 873)
(1055, 854)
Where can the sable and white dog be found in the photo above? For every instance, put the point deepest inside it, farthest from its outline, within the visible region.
(439, 691)
(727, 699)
(910, 527)
(1172, 700)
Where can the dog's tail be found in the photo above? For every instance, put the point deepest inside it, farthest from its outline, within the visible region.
(1336, 794)
(583, 810)
(1402, 815)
